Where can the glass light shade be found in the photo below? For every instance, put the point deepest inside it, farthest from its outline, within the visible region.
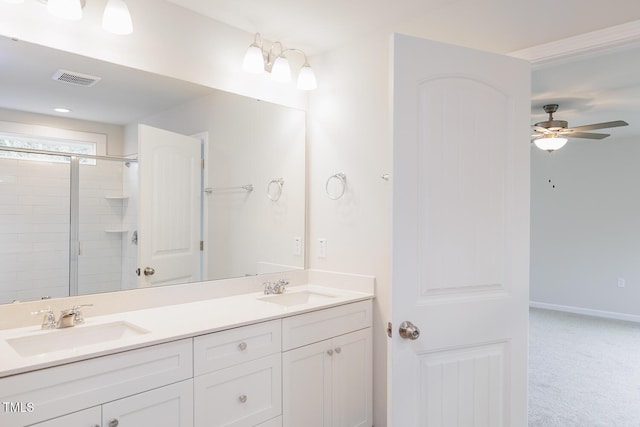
(253, 60)
(116, 18)
(65, 9)
(281, 71)
(306, 78)
(550, 144)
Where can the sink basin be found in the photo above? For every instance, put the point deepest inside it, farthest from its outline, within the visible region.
(296, 298)
(73, 338)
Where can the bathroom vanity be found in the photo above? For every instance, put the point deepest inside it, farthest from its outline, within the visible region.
(301, 358)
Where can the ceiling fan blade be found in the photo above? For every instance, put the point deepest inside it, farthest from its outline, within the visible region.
(604, 125)
(541, 129)
(588, 135)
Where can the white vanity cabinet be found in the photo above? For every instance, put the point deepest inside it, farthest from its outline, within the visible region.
(114, 384)
(300, 370)
(168, 406)
(237, 376)
(87, 418)
(327, 368)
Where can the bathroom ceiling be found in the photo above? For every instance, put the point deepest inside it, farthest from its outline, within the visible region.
(495, 25)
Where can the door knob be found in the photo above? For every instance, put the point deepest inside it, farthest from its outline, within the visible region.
(409, 331)
(148, 271)
(113, 423)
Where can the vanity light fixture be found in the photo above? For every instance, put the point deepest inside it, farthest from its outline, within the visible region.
(550, 142)
(116, 18)
(258, 60)
(62, 110)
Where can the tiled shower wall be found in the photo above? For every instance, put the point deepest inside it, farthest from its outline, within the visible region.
(34, 228)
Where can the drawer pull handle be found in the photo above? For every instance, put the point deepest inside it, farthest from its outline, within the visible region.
(242, 346)
(338, 350)
(113, 423)
(243, 398)
(330, 352)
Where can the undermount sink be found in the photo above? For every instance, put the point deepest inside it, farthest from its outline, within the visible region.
(296, 298)
(72, 338)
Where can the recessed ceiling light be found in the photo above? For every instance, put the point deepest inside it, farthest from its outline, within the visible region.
(61, 110)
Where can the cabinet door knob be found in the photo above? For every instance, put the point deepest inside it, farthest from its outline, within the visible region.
(242, 346)
(242, 398)
(338, 350)
(113, 423)
(330, 352)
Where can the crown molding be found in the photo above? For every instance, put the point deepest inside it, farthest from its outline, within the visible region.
(593, 43)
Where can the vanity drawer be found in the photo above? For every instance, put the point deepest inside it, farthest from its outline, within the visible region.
(68, 388)
(320, 325)
(242, 395)
(227, 348)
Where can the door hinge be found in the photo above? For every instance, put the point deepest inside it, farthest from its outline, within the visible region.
(389, 329)
(202, 245)
(202, 163)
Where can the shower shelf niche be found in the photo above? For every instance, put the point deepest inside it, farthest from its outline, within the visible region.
(116, 197)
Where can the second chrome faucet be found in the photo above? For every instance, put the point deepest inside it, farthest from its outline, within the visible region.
(275, 288)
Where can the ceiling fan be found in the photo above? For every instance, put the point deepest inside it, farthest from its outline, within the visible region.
(552, 134)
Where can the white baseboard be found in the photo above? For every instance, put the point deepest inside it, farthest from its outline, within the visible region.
(586, 311)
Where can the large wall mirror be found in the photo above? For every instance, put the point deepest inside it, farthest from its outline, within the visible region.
(171, 182)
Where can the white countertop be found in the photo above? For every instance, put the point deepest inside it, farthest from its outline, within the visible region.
(167, 323)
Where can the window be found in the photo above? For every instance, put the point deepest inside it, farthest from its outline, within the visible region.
(42, 144)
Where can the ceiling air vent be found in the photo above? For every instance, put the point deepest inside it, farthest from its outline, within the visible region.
(74, 78)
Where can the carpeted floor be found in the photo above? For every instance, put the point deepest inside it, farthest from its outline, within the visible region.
(583, 371)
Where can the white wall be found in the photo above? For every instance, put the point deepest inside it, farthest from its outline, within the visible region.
(585, 232)
(349, 130)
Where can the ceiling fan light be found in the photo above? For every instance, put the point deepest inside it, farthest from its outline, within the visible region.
(116, 18)
(253, 60)
(65, 9)
(550, 144)
(281, 71)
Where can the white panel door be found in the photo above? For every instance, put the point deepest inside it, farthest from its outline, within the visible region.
(169, 207)
(460, 236)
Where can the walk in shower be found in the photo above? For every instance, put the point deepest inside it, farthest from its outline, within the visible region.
(66, 224)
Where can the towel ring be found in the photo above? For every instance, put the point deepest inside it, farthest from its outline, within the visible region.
(274, 189)
(341, 181)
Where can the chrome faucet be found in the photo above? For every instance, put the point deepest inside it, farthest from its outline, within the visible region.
(71, 316)
(49, 319)
(68, 318)
(275, 288)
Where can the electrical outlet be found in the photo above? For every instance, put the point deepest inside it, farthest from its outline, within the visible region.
(621, 282)
(322, 248)
(297, 246)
